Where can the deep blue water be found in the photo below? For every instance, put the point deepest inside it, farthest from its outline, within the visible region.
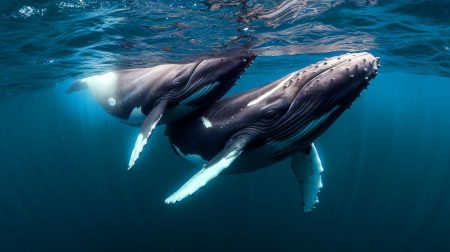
(64, 185)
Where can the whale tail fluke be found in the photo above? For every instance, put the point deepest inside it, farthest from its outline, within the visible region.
(76, 86)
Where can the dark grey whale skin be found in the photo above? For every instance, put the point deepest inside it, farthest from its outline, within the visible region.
(322, 91)
(146, 87)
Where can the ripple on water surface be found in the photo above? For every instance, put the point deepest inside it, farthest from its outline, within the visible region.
(47, 42)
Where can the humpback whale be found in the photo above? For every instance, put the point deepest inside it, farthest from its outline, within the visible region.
(164, 93)
(280, 120)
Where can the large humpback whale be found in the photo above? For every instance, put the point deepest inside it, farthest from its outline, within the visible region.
(164, 93)
(280, 120)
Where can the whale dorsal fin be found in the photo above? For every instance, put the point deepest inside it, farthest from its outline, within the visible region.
(150, 122)
(307, 168)
(212, 169)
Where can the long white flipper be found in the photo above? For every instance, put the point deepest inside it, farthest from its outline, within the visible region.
(307, 168)
(211, 170)
(147, 128)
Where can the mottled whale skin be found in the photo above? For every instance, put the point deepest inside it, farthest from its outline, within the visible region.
(164, 93)
(280, 120)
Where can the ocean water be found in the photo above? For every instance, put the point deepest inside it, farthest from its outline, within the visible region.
(64, 185)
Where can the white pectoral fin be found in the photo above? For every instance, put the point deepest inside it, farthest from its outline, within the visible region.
(150, 123)
(308, 168)
(211, 170)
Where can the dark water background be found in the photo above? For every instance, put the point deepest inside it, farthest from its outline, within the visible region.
(63, 179)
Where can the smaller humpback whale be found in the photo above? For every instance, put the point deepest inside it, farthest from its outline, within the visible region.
(164, 93)
(280, 120)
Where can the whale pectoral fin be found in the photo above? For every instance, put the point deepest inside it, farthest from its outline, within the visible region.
(307, 168)
(147, 128)
(210, 170)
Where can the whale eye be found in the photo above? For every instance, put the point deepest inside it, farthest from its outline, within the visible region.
(271, 115)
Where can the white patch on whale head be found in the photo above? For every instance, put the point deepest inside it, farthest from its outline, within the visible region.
(112, 101)
(206, 122)
(267, 94)
(102, 86)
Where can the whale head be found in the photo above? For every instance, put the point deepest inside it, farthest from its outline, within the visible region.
(299, 107)
(296, 109)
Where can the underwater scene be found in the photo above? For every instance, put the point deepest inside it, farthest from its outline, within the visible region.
(240, 125)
